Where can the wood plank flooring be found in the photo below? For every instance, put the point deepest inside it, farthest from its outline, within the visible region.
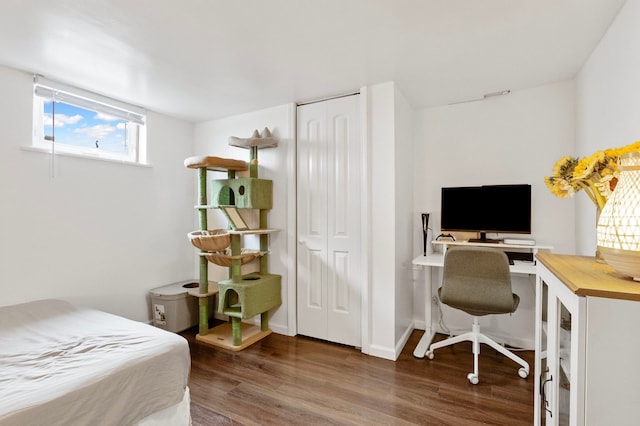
(285, 380)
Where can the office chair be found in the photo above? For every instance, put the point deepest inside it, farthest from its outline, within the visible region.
(477, 281)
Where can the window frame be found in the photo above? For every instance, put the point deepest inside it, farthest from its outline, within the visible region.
(134, 117)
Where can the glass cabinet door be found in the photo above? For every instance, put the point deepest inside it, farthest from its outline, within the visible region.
(560, 378)
(559, 388)
(541, 368)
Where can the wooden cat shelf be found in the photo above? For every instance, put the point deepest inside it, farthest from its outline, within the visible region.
(216, 164)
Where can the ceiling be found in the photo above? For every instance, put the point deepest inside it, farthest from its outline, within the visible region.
(206, 59)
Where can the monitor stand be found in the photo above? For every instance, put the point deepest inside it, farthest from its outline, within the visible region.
(483, 239)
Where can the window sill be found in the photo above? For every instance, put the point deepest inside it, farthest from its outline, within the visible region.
(87, 156)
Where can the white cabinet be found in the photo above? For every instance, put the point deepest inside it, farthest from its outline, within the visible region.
(587, 344)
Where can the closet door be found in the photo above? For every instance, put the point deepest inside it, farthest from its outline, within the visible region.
(329, 285)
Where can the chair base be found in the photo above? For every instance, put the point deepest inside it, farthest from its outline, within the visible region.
(476, 338)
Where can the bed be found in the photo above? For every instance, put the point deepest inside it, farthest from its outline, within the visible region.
(64, 365)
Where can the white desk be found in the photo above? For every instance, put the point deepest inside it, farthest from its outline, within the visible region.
(436, 259)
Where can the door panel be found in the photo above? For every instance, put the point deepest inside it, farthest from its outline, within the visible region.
(312, 227)
(329, 220)
(340, 160)
(315, 177)
(341, 284)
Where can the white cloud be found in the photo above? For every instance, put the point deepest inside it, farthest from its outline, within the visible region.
(121, 126)
(99, 131)
(105, 117)
(61, 120)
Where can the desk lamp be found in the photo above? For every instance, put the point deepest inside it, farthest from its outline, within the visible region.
(618, 230)
(425, 230)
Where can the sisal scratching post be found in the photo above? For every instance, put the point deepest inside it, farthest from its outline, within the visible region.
(203, 302)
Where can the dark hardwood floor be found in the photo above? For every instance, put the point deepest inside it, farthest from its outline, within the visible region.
(285, 380)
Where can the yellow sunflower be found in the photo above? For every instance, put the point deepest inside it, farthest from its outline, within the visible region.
(596, 174)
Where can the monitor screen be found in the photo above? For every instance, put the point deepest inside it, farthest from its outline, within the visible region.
(490, 208)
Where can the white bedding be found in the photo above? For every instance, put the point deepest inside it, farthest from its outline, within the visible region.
(62, 365)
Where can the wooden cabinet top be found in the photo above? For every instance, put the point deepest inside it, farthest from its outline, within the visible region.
(584, 276)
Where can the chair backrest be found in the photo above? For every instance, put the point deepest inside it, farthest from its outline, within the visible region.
(477, 280)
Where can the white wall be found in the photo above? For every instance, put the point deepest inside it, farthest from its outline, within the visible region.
(98, 234)
(514, 138)
(608, 104)
(382, 240)
(277, 164)
(390, 141)
(405, 219)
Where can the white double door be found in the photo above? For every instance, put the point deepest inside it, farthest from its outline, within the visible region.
(329, 220)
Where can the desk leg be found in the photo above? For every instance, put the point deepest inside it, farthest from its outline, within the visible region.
(424, 343)
(427, 337)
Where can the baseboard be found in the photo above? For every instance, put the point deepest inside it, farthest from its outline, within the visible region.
(392, 353)
(280, 329)
(419, 325)
(403, 340)
(382, 352)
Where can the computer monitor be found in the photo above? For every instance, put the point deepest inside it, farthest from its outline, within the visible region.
(486, 209)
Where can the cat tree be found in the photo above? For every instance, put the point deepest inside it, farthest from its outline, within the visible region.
(242, 296)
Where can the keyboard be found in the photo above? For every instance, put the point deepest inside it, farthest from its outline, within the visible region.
(516, 255)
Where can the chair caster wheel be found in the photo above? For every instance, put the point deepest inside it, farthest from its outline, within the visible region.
(429, 354)
(523, 372)
(473, 379)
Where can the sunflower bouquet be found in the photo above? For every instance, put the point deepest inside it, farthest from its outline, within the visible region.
(596, 174)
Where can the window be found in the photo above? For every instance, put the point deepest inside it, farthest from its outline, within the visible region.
(77, 122)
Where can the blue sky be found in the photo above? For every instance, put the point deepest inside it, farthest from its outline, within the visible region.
(80, 127)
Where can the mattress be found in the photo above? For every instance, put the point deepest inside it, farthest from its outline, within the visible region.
(63, 365)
